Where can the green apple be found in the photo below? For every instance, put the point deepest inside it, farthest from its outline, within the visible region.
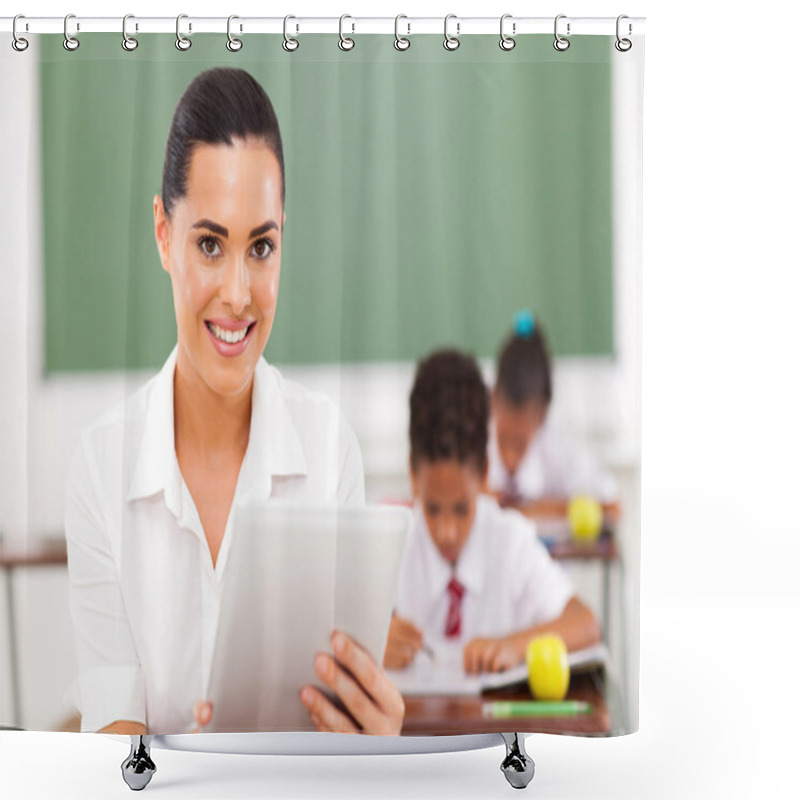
(585, 518)
(548, 667)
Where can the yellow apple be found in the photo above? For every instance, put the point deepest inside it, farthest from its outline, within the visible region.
(548, 667)
(585, 518)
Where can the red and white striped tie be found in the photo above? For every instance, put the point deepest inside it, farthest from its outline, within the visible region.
(453, 625)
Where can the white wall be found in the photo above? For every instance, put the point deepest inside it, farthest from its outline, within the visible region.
(40, 417)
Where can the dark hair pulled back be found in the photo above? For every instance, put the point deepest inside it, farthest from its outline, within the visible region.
(523, 370)
(218, 106)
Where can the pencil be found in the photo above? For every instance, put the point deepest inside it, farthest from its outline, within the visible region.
(428, 650)
(535, 708)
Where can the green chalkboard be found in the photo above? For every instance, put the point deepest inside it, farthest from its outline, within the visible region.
(429, 194)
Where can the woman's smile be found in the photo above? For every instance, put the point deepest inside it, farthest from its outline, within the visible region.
(230, 337)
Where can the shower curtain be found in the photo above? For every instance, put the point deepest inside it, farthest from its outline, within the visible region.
(437, 200)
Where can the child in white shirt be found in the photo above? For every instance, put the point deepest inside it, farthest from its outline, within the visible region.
(473, 573)
(532, 466)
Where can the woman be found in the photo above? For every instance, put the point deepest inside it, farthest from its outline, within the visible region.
(153, 483)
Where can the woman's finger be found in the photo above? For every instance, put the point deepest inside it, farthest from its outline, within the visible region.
(324, 715)
(359, 704)
(369, 678)
(203, 710)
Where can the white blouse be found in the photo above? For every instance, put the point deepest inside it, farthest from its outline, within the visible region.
(510, 580)
(144, 594)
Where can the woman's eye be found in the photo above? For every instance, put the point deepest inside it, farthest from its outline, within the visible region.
(209, 246)
(263, 247)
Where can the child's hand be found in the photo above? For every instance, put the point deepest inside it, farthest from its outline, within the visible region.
(402, 645)
(491, 655)
(373, 702)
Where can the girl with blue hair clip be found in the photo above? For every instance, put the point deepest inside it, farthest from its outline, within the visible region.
(533, 466)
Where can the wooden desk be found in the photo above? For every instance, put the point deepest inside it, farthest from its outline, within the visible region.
(33, 552)
(442, 715)
(604, 549)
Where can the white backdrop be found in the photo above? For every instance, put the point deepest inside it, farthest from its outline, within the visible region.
(720, 605)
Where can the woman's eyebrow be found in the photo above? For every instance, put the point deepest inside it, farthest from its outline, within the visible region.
(267, 226)
(212, 226)
(223, 231)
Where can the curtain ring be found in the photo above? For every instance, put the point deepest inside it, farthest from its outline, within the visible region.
(233, 44)
(345, 43)
(18, 42)
(623, 45)
(289, 44)
(400, 42)
(128, 42)
(507, 42)
(181, 42)
(70, 42)
(451, 42)
(561, 44)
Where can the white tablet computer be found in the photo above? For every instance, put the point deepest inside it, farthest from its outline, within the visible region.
(293, 576)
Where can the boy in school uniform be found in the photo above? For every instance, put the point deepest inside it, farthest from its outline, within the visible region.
(474, 575)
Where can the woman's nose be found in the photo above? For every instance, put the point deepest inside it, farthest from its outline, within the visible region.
(236, 286)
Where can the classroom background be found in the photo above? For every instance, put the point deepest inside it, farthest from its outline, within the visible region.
(64, 361)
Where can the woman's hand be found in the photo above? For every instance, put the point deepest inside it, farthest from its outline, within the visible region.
(404, 640)
(371, 699)
(203, 710)
(492, 655)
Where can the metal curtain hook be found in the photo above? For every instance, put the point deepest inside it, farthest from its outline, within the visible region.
(289, 44)
(181, 42)
(70, 42)
(561, 44)
(128, 42)
(345, 43)
(623, 45)
(18, 42)
(400, 42)
(507, 42)
(451, 42)
(233, 44)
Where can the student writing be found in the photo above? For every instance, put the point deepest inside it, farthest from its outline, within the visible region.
(473, 573)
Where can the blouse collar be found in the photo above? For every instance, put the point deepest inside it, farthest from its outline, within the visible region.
(274, 446)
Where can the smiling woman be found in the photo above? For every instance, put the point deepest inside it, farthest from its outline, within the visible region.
(217, 422)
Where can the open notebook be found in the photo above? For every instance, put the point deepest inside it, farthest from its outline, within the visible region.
(444, 674)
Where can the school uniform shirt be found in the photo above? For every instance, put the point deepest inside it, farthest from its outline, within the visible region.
(144, 594)
(510, 581)
(554, 466)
